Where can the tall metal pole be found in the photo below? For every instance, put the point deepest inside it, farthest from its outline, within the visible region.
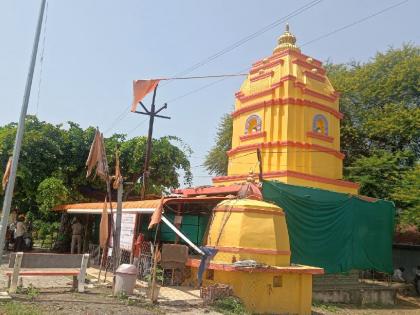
(19, 135)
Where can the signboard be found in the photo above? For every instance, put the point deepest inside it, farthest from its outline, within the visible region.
(127, 231)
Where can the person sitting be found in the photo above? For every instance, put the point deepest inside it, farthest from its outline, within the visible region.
(398, 275)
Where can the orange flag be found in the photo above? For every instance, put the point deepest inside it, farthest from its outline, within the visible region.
(117, 177)
(157, 214)
(103, 226)
(7, 173)
(96, 156)
(140, 89)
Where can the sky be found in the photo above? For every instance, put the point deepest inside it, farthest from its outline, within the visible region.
(92, 50)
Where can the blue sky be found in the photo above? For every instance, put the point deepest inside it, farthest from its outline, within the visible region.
(94, 49)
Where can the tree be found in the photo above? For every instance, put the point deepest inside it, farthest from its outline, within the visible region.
(216, 161)
(389, 84)
(407, 196)
(379, 173)
(51, 192)
(52, 164)
(380, 132)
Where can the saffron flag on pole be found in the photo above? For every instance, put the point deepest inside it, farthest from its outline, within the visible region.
(7, 173)
(103, 226)
(96, 157)
(140, 89)
(117, 177)
(157, 214)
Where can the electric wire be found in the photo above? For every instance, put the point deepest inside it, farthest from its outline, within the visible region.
(41, 60)
(250, 37)
(354, 23)
(305, 44)
(222, 52)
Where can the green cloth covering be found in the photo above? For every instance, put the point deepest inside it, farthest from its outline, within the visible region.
(193, 227)
(335, 231)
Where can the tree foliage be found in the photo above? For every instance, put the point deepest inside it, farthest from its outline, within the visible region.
(50, 193)
(380, 132)
(52, 164)
(407, 196)
(216, 161)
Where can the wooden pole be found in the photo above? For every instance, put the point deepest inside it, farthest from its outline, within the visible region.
(148, 146)
(152, 113)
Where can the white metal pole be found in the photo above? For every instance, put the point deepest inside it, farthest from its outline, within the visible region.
(8, 196)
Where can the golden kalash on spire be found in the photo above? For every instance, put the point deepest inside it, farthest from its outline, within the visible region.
(286, 41)
(288, 109)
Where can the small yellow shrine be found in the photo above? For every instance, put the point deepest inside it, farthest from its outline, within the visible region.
(287, 108)
(244, 230)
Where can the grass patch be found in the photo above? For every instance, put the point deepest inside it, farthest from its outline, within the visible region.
(230, 306)
(30, 291)
(326, 307)
(14, 308)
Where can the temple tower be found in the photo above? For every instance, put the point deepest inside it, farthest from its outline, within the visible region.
(287, 108)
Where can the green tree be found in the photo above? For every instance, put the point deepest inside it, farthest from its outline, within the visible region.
(387, 84)
(53, 158)
(51, 192)
(379, 173)
(216, 161)
(407, 196)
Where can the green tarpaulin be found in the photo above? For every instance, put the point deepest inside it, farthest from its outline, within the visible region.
(335, 231)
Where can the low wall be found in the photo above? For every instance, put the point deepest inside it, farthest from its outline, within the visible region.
(346, 288)
(364, 296)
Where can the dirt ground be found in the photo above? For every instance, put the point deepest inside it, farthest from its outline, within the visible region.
(95, 301)
(406, 305)
(53, 295)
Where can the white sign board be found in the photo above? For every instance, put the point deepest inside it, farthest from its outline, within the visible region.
(127, 230)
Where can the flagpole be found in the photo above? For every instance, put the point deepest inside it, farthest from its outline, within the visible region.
(108, 188)
(20, 131)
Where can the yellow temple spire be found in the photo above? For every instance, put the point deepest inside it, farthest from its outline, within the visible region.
(286, 41)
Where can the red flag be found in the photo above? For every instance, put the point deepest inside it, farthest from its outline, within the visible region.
(157, 214)
(7, 173)
(140, 89)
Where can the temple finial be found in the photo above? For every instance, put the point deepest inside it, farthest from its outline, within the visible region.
(286, 41)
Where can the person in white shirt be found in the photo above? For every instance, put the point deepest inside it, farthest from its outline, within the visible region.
(19, 233)
(398, 275)
(76, 237)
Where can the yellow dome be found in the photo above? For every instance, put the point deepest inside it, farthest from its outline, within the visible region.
(249, 229)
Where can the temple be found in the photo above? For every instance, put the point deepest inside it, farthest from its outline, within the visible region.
(288, 109)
